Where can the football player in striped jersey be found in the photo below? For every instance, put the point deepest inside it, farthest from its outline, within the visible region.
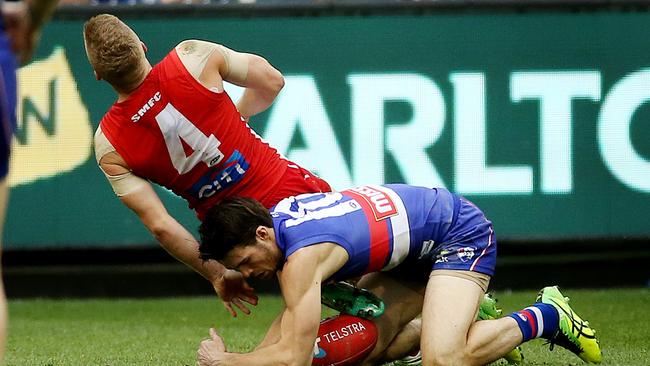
(423, 251)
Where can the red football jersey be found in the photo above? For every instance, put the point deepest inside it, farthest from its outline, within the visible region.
(175, 132)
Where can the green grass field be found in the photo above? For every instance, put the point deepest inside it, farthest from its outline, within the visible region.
(167, 331)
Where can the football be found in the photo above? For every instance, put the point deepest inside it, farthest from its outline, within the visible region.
(344, 340)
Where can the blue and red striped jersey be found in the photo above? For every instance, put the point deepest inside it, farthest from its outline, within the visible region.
(381, 227)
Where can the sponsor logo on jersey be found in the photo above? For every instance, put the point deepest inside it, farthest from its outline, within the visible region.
(465, 254)
(427, 246)
(345, 331)
(221, 177)
(381, 204)
(146, 107)
(443, 256)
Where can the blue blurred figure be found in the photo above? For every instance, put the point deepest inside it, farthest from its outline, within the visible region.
(20, 26)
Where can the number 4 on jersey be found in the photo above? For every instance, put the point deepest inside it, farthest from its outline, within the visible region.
(174, 127)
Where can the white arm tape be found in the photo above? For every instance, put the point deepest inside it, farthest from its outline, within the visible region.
(122, 184)
(125, 183)
(237, 64)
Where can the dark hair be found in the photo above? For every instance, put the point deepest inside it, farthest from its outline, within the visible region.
(230, 223)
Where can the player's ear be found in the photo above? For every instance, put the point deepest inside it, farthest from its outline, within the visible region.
(262, 232)
(97, 77)
(144, 47)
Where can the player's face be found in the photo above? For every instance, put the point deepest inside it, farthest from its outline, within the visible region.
(252, 261)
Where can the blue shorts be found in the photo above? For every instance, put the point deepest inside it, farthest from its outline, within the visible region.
(7, 101)
(470, 244)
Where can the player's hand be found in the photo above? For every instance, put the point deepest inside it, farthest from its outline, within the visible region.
(232, 288)
(211, 351)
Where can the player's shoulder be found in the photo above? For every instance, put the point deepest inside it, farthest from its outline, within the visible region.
(194, 55)
(313, 252)
(101, 144)
(98, 131)
(195, 47)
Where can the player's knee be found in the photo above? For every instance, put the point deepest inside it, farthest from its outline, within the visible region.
(376, 357)
(445, 358)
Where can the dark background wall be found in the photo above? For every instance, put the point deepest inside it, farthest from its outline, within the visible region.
(535, 110)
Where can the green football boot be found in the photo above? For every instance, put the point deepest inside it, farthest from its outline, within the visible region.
(489, 310)
(574, 333)
(351, 300)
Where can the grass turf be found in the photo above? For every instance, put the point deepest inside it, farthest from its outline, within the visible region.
(167, 331)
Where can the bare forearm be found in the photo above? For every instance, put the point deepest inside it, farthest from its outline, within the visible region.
(273, 355)
(273, 334)
(278, 347)
(171, 235)
(255, 101)
(180, 243)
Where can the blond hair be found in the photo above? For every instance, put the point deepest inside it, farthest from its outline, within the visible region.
(115, 52)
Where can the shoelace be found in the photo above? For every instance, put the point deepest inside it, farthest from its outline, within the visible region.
(563, 340)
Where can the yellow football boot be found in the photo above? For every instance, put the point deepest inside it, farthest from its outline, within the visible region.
(574, 333)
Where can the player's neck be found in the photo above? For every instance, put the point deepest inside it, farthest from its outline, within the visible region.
(123, 95)
(275, 250)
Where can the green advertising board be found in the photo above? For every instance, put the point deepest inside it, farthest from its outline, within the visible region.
(541, 119)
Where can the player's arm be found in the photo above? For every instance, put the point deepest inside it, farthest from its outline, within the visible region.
(138, 195)
(40, 12)
(211, 63)
(263, 83)
(273, 333)
(300, 280)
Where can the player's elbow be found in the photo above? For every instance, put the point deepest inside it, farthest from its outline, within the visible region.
(158, 227)
(160, 232)
(275, 81)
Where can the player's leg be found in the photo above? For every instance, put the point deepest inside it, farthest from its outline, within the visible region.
(461, 272)
(4, 196)
(403, 303)
(404, 349)
(7, 125)
(485, 341)
(487, 310)
(567, 330)
(450, 335)
(406, 344)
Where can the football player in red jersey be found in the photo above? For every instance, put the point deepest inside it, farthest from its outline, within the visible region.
(174, 125)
